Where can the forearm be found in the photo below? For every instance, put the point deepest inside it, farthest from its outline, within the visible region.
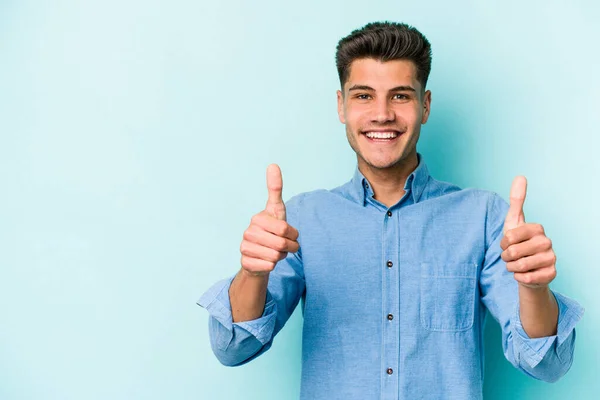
(538, 311)
(247, 295)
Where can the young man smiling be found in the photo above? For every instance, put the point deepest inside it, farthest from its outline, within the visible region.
(396, 270)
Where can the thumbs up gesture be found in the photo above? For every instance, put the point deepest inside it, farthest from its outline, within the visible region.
(527, 250)
(269, 237)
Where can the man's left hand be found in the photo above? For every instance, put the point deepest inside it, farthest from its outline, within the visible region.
(527, 250)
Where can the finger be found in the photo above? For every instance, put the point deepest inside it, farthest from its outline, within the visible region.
(256, 265)
(520, 234)
(531, 263)
(536, 278)
(259, 236)
(515, 215)
(277, 227)
(254, 250)
(537, 244)
(275, 205)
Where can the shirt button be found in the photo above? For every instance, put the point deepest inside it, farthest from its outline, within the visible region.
(390, 264)
(390, 317)
(389, 213)
(390, 371)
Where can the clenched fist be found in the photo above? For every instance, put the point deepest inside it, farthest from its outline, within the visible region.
(527, 250)
(269, 237)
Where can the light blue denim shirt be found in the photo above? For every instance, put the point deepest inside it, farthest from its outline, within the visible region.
(394, 299)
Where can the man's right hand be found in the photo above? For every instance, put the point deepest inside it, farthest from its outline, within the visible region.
(269, 237)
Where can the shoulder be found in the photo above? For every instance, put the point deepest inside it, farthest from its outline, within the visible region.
(305, 199)
(436, 188)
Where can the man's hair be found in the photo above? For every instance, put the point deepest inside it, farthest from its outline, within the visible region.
(384, 41)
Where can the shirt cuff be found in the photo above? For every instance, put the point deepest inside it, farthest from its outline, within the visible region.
(533, 350)
(263, 327)
(216, 301)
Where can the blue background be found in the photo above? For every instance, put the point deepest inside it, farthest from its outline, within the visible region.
(134, 137)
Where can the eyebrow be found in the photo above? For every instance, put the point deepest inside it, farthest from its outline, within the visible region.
(395, 89)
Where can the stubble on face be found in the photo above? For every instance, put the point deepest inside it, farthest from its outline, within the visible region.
(383, 96)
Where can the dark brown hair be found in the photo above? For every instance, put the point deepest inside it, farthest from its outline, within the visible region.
(384, 41)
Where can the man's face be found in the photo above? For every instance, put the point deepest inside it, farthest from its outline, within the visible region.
(383, 107)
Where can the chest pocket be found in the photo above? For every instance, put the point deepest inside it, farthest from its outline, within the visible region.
(447, 292)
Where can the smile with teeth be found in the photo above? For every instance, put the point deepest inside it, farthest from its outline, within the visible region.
(381, 135)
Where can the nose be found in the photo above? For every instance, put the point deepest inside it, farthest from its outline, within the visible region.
(383, 112)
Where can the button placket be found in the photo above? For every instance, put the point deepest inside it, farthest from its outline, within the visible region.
(390, 331)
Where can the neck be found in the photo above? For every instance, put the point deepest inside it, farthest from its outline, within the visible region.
(388, 183)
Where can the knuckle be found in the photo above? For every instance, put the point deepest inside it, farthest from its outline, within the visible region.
(527, 278)
(281, 228)
(539, 243)
(280, 244)
(244, 247)
(253, 269)
(273, 256)
(516, 266)
(512, 266)
(295, 246)
(510, 237)
(540, 229)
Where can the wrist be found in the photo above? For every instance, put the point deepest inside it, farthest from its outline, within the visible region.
(254, 275)
(537, 287)
(534, 294)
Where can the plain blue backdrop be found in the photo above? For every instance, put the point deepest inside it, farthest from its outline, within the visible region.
(134, 138)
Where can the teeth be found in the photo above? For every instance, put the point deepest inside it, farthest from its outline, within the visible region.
(381, 135)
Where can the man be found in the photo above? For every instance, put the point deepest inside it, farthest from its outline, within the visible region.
(396, 270)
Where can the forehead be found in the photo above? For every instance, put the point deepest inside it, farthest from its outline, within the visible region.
(383, 75)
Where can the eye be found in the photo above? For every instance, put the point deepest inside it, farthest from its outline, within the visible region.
(400, 96)
(363, 96)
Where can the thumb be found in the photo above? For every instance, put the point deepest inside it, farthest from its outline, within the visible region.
(515, 215)
(275, 204)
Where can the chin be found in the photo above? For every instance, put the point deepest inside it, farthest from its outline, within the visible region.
(381, 164)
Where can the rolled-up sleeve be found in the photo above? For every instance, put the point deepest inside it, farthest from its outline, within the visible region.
(236, 343)
(547, 358)
(246, 338)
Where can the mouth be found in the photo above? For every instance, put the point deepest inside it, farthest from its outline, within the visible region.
(388, 136)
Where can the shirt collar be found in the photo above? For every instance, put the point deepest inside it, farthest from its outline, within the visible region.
(360, 188)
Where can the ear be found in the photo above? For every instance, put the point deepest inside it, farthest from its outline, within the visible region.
(340, 107)
(426, 106)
